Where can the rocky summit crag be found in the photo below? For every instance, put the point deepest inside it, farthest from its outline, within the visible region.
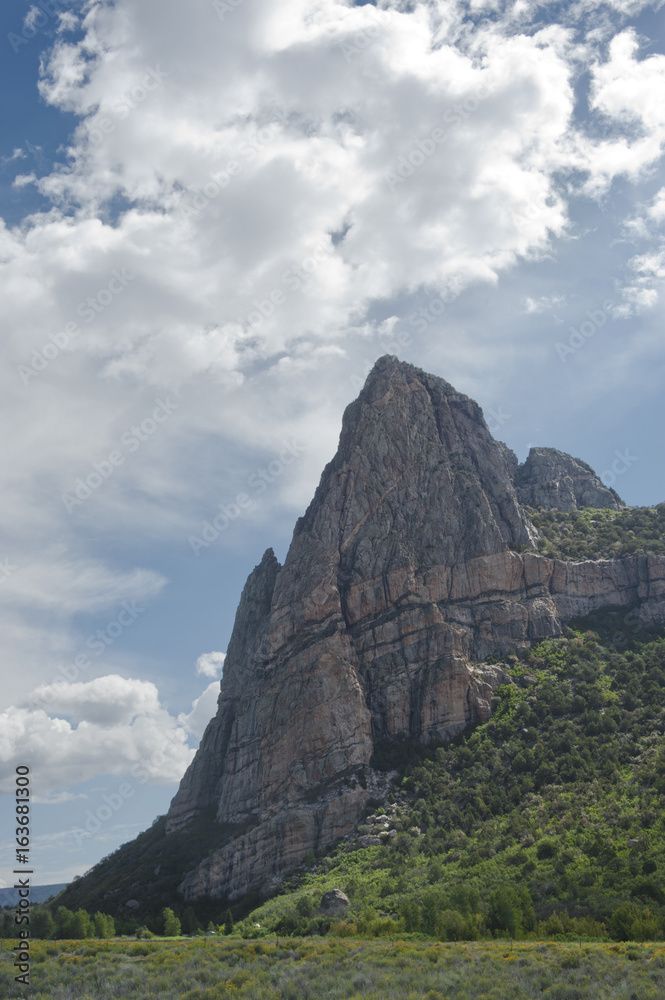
(556, 481)
(414, 563)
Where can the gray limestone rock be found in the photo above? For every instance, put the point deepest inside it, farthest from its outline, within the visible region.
(556, 481)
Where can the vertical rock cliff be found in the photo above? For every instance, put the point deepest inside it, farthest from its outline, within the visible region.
(413, 563)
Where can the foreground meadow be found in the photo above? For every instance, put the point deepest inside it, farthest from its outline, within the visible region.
(309, 969)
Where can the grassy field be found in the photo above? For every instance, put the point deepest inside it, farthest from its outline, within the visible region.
(313, 968)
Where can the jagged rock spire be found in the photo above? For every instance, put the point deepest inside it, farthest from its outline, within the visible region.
(413, 562)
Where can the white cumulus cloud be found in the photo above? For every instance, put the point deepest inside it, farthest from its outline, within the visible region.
(210, 664)
(203, 710)
(110, 725)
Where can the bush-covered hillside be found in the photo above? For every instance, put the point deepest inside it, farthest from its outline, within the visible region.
(148, 870)
(546, 819)
(600, 534)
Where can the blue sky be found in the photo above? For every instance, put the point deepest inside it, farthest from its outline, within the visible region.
(214, 223)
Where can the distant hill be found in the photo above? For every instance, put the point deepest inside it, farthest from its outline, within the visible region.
(38, 893)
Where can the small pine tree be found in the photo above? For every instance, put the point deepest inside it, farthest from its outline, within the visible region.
(229, 922)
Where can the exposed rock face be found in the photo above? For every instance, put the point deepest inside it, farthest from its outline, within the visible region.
(334, 902)
(402, 574)
(553, 480)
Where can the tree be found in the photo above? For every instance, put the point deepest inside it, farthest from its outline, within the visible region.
(410, 913)
(190, 924)
(42, 924)
(82, 926)
(451, 926)
(505, 911)
(172, 926)
(104, 925)
(64, 923)
(229, 922)
(622, 920)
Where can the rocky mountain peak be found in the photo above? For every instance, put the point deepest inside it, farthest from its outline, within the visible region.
(413, 564)
(554, 480)
(419, 472)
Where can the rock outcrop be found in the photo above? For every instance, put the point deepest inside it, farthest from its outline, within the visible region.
(334, 902)
(556, 481)
(414, 562)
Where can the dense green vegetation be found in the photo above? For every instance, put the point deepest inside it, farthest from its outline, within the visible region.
(58, 923)
(150, 868)
(600, 534)
(61, 924)
(334, 969)
(546, 820)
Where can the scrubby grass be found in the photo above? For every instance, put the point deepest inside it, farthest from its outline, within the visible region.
(313, 968)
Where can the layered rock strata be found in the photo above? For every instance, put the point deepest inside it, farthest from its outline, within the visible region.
(412, 565)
